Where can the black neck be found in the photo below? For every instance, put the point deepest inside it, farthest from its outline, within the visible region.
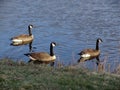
(29, 30)
(51, 50)
(97, 45)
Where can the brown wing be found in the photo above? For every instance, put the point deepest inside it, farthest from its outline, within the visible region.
(42, 56)
(25, 39)
(92, 52)
(21, 36)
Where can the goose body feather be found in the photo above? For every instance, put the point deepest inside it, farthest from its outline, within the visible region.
(42, 56)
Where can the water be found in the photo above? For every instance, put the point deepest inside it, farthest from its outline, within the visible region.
(73, 24)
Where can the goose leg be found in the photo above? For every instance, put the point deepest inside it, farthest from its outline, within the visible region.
(30, 47)
(52, 63)
(30, 61)
(98, 60)
(82, 59)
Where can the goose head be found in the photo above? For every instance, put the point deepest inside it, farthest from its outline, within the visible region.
(53, 44)
(30, 26)
(99, 40)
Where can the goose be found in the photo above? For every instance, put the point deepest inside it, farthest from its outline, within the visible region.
(43, 57)
(23, 38)
(89, 54)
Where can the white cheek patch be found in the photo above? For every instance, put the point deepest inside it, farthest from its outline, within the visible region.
(85, 55)
(53, 45)
(31, 26)
(100, 41)
(17, 40)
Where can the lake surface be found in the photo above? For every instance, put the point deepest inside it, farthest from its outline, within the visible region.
(73, 24)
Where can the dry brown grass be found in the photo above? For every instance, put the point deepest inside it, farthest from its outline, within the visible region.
(117, 70)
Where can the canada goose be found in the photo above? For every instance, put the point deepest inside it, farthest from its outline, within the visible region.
(23, 38)
(43, 57)
(89, 54)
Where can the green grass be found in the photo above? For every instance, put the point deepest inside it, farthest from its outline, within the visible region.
(22, 76)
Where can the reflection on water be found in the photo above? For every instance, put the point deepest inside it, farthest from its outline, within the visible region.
(29, 45)
(74, 24)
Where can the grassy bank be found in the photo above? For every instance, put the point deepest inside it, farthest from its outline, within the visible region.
(22, 76)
